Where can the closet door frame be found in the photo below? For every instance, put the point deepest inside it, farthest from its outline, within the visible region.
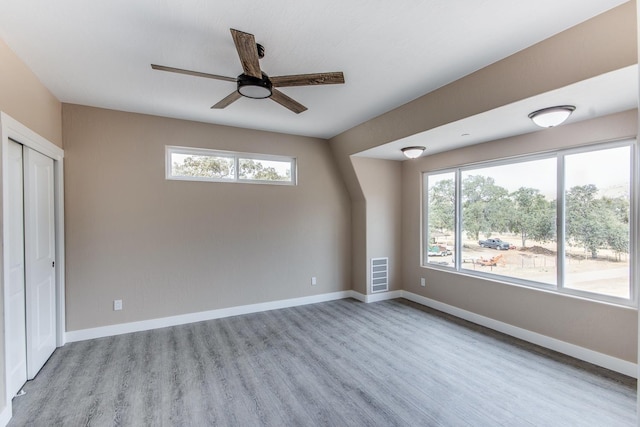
(14, 130)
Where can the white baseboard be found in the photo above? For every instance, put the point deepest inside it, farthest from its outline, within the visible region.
(6, 414)
(600, 359)
(381, 296)
(145, 325)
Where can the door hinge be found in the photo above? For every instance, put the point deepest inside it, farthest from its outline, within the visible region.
(53, 264)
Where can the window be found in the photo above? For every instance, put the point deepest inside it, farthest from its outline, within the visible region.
(441, 218)
(516, 203)
(597, 212)
(559, 221)
(256, 169)
(193, 164)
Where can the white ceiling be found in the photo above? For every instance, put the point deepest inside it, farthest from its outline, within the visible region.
(98, 53)
(609, 93)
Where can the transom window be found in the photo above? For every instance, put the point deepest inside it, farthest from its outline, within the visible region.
(559, 221)
(199, 164)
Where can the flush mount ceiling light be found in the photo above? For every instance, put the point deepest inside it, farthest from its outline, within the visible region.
(552, 116)
(413, 152)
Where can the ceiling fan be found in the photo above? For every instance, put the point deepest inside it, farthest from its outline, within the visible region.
(253, 82)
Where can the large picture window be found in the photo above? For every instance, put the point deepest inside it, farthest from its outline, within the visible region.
(197, 164)
(560, 221)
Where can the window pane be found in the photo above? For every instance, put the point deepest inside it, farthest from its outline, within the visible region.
(508, 220)
(441, 235)
(265, 170)
(202, 166)
(597, 210)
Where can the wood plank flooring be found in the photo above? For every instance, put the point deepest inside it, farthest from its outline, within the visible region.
(341, 363)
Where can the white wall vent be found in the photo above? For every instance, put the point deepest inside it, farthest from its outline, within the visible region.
(379, 274)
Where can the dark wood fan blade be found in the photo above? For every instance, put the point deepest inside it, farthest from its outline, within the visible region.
(308, 79)
(192, 73)
(232, 97)
(287, 102)
(248, 52)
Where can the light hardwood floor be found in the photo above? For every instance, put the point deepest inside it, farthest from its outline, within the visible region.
(341, 363)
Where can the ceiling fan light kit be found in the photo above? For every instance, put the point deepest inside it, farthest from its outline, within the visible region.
(255, 88)
(552, 116)
(253, 82)
(413, 152)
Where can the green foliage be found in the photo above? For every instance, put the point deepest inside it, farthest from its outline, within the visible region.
(485, 206)
(618, 237)
(617, 223)
(592, 221)
(250, 169)
(595, 223)
(533, 216)
(442, 202)
(223, 168)
(205, 167)
(583, 218)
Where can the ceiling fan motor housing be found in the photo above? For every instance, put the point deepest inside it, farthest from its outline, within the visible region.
(260, 50)
(253, 87)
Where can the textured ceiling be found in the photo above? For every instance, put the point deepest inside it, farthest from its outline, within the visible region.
(98, 53)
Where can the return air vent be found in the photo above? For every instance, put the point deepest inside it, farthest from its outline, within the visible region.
(379, 275)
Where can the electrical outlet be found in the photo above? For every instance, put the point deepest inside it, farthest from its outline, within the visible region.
(117, 304)
(423, 282)
(314, 281)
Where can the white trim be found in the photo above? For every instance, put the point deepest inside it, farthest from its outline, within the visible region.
(58, 170)
(5, 415)
(561, 281)
(600, 359)
(12, 129)
(17, 131)
(379, 296)
(235, 157)
(145, 325)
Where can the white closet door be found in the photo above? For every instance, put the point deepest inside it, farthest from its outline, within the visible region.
(39, 259)
(16, 333)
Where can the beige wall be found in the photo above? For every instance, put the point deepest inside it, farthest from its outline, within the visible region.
(380, 181)
(605, 328)
(25, 99)
(173, 247)
(605, 43)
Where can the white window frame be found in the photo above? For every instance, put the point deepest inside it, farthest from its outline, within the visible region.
(236, 156)
(559, 288)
